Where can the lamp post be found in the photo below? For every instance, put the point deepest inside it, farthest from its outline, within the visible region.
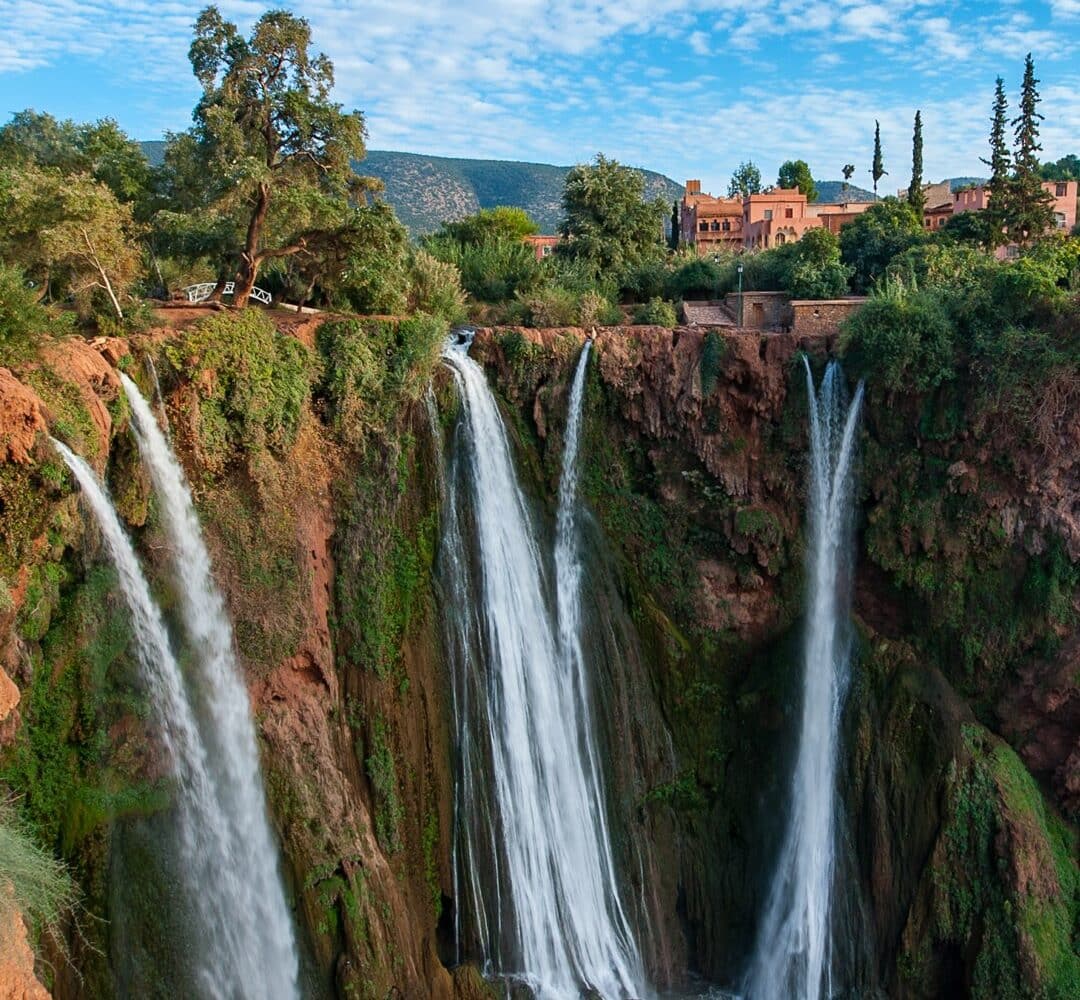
(739, 269)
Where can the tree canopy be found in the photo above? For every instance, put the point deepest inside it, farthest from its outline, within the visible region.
(266, 124)
(874, 237)
(746, 180)
(608, 225)
(796, 174)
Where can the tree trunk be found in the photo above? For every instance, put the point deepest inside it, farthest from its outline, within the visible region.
(249, 258)
(104, 283)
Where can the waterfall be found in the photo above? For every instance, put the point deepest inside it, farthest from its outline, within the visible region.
(537, 850)
(794, 955)
(253, 881)
(222, 967)
(152, 369)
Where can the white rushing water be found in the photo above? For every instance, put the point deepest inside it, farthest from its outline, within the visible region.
(218, 964)
(249, 883)
(557, 920)
(793, 954)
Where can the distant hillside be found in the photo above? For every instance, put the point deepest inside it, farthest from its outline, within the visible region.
(833, 191)
(425, 191)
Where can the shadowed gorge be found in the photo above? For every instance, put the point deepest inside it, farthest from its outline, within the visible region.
(645, 493)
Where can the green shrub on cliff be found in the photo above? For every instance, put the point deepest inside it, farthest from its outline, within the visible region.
(372, 367)
(904, 339)
(251, 381)
(33, 883)
(656, 312)
(23, 321)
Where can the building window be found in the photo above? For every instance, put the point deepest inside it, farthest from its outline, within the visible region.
(780, 239)
(545, 251)
(1061, 189)
(703, 227)
(1012, 251)
(768, 214)
(789, 213)
(1059, 220)
(715, 226)
(726, 227)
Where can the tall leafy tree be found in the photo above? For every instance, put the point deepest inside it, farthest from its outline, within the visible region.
(877, 169)
(100, 149)
(848, 170)
(870, 241)
(796, 174)
(608, 224)
(745, 181)
(68, 232)
(264, 124)
(673, 236)
(915, 196)
(1030, 213)
(999, 186)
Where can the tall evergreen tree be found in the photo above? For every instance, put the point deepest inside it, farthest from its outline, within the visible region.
(877, 171)
(1031, 212)
(915, 196)
(673, 238)
(999, 186)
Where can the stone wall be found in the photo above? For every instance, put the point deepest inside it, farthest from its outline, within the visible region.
(822, 316)
(761, 310)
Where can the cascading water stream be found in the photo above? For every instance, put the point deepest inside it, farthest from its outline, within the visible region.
(220, 964)
(252, 881)
(793, 956)
(522, 700)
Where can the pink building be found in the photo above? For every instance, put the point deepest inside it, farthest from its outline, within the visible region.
(544, 246)
(1063, 193)
(776, 218)
(708, 223)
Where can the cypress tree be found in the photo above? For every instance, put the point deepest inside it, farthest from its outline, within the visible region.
(1031, 214)
(673, 239)
(916, 198)
(877, 171)
(999, 187)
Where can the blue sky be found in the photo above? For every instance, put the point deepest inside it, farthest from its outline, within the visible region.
(685, 87)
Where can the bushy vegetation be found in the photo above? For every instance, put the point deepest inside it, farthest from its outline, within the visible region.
(252, 383)
(372, 367)
(656, 312)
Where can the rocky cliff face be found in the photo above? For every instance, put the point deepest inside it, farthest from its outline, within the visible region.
(961, 749)
(966, 601)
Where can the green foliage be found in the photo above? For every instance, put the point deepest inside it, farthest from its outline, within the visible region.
(371, 368)
(1007, 879)
(265, 127)
(252, 383)
(1030, 211)
(904, 339)
(877, 167)
(745, 181)
(430, 845)
(435, 288)
(656, 312)
(608, 225)
(713, 349)
(813, 268)
(1067, 168)
(696, 279)
(101, 150)
(916, 198)
(870, 241)
(796, 174)
(489, 225)
(382, 770)
(68, 232)
(33, 884)
(492, 270)
(23, 321)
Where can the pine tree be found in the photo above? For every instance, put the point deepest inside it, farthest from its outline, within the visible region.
(915, 196)
(999, 187)
(877, 171)
(1031, 213)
